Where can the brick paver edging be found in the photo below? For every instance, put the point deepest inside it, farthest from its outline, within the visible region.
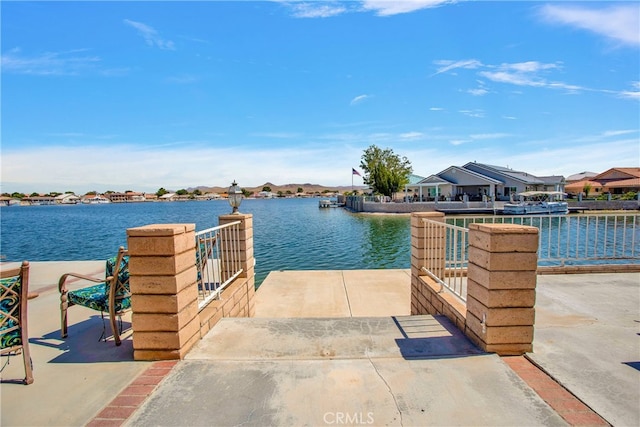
(568, 406)
(130, 399)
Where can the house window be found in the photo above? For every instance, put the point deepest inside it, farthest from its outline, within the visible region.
(510, 190)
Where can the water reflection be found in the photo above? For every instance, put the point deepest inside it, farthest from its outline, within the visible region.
(289, 234)
(386, 240)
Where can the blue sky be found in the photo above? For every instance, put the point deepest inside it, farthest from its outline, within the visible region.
(142, 95)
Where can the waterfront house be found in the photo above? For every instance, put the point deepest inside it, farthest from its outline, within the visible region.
(168, 197)
(9, 201)
(265, 195)
(513, 181)
(580, 176)
(129, 196)
(614, 181)
(67, 199)
(477, 181)
(38, 200)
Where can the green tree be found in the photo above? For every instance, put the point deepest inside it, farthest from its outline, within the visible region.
(266, 188)
(384, 171)
(182, 192)
(197, 192)
(586, 189)
(245, 192)
(161, 192)
(300, 190)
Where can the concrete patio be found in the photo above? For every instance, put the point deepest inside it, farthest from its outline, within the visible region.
(277, 371)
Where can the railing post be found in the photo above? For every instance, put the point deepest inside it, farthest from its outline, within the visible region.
(164, 297)
(420, 298)
(501, 282)
(247, 260)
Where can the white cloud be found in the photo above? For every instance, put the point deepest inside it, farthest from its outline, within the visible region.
(70, 62)
(619, 132)
(634, 93)
(317, 9)
(150, 35)
(529, 73)
(478, 92)
(459, 141)
(412, 136)
(447, 65)
(436, 109)
(592, 150)
(358, 99)
(473, 113)
(620, 22)
(395, 7)
(173, 166)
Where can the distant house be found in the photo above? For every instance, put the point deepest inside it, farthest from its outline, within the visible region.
(209, 196)
(129, 196)
(265, 195)
(67, 199)
(168, 197)
(580, 176)
(9, 201)
(614, 181)
(38, 200)
(477, 181)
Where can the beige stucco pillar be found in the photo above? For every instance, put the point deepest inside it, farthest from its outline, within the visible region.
(164, 295)
(501, 287)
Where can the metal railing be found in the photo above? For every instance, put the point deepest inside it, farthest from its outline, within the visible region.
(445, 255)
(575, 239)
(218, 260)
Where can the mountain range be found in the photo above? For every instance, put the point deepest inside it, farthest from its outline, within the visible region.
(293, 188)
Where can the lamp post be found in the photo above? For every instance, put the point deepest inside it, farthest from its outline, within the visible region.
(235, 197)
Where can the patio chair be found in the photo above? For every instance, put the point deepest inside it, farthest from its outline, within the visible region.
(111, 294)
(14, 336)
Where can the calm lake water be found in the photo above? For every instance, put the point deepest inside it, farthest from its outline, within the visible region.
(289, 234)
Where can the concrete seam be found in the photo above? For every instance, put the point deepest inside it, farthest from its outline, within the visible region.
(346, 292)
(395, 401)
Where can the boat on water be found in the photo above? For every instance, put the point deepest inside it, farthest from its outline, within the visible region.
(537, 202)
(326, 203)
(95, 200)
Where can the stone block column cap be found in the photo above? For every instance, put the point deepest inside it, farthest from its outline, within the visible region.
(235, 217)
(160, 230)
(504, 228)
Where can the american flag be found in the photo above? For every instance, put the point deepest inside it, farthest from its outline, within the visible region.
(355, 172)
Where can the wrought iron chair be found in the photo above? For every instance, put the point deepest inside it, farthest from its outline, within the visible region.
(14, 336)
(111, 295)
